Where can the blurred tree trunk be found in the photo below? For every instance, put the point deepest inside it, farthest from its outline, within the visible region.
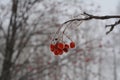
(10, 42)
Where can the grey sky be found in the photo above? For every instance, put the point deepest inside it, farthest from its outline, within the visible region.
(107, 6)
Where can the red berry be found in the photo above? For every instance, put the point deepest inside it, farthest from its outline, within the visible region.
(65, 49)
(72, 44)
(60, 51)
(56, 52)
(60, 45)
(52, 47)
(67, 46)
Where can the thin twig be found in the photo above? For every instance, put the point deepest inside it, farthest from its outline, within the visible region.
(112, 26)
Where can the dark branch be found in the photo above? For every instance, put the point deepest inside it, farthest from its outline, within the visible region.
(90, 17)
(112, 26)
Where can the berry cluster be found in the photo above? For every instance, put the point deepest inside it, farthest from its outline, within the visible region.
(59, 48)
(58, 45)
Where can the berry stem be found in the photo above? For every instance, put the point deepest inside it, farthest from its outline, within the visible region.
(67, 37)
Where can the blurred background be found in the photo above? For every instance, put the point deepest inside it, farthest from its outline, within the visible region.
(26, 28)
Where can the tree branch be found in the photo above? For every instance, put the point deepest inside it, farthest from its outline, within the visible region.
(90, 17)
(112, 26)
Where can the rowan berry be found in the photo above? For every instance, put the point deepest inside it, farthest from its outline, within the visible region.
(60, 45)
(52, 47)
(56, 52)
(65, 50)
(60, 51)
(67, 46)
(72, 44)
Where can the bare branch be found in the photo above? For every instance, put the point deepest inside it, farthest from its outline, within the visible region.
(1, 28)
(90, 17)
(112, 26)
